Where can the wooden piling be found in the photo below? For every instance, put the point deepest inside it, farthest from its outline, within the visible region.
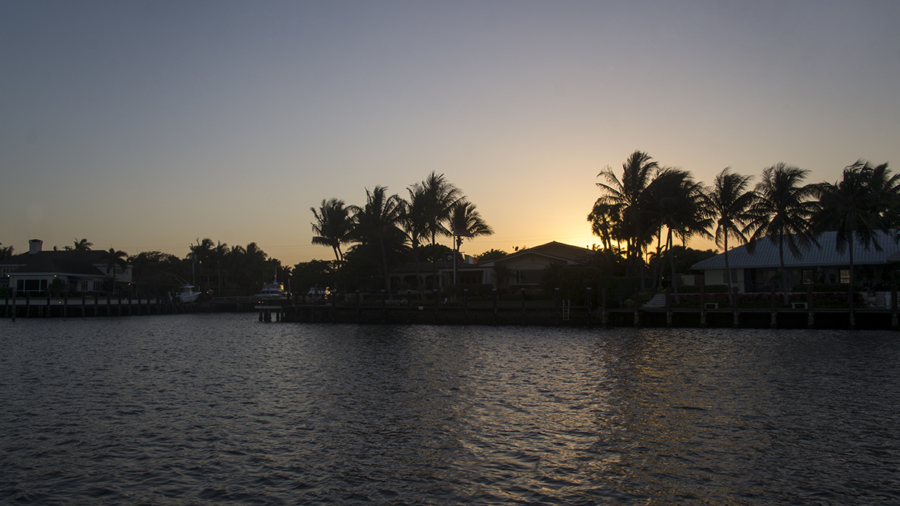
(736, 323)
(589, 305)
(495, 305)
(702, 306)
(465, 306)
(773, 323)
(668, 308)
(810, 313)
(523, 305)
(894, 323)
(637, 307)
(604, 316)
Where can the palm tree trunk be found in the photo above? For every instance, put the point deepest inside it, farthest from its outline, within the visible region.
(783, 281)
(672, 263)
(728, 273)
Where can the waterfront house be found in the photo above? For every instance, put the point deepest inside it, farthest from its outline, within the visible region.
(757, 271)
(82, 271)
(524, 268)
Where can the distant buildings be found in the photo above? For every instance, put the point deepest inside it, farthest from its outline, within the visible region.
(755, 272)
(36, 270)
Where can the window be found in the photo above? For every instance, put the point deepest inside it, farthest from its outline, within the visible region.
(845, 276)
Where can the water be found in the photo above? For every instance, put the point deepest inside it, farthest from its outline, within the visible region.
(212, 409)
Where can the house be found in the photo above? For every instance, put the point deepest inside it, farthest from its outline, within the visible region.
(525, 267)
(404, 277)
(34, 271)
(757, 271)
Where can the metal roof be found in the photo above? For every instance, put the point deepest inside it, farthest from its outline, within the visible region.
(766, 254)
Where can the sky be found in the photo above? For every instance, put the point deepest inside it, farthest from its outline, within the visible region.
(149, 125)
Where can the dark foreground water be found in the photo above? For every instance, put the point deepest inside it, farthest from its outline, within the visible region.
(208, 409)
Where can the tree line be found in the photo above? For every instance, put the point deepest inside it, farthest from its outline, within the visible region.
(390, 230)
(650, 202)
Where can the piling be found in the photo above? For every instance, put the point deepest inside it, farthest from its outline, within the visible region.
(894, 323)
(637, 307)
(702, 306)
(737, 321)
(668, 308)
(495, 305)
(556, 304)
(523, 306)
(810, 318)
(589, 305)
(773, 323)
(465, 306)
(604, 316)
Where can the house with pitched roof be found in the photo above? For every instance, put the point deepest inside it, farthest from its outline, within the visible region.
(34, 271)
(525, 267)
(757, 271)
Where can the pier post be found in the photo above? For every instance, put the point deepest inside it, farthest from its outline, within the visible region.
(358, 309)
(15, 305)
(637, 305)
(465, 306)
(66, 305)
(334, 295)
(83, 303)
(47, 312)
(773, 323)
(894, 323)
(495, 305)
(556, 303)
(6, 305)
(737, 303)
(523, 305)
(590, 292)
(383, 308)
(668, 307)
(435, 305)
(810, 318)
(27, 304)
(852, 315)
(604, 316)
(108, 305)
(702, 306)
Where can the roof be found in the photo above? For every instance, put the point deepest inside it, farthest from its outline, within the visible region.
(550, 250)
(766, 254)
(428, 267)
(55, 262)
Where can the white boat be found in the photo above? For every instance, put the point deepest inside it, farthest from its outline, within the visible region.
(187, 294)
(273, 290)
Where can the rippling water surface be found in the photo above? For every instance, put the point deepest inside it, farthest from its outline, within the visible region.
(198, 409)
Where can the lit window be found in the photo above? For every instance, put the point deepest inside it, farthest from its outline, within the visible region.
(845, 276)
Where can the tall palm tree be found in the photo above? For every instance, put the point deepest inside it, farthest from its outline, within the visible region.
(782, 213)
(113, 259)
(440, 196)
(676, 202)
(83, 245)
(332, 226)
(731, 204)
(604, 220)
(467, 223)
(626, 198)
(854, 208)
(414, 221)
(377, 224)
(5, 252)
(219, 253)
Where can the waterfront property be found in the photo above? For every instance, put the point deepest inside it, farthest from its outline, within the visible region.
(526, 266)
(823, 264)
(82, 271)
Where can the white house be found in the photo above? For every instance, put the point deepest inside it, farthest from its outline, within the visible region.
(83, 271)
(755, 272)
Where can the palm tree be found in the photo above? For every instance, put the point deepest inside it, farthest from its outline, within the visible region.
(466, 222)
(219, 253)
(678, 203)
(83, 245)
(604, 219)
(854, 208)
(376, 224)
(5, 252)
(114, 258)
(782, 213)
(332, 226)
(731, 204)
(626, 198)
(415, 222)
(440, 196)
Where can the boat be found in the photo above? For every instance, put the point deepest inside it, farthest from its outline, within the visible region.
(272, 290)
(187, 294)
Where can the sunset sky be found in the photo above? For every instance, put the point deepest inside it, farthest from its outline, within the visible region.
(148, 125)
